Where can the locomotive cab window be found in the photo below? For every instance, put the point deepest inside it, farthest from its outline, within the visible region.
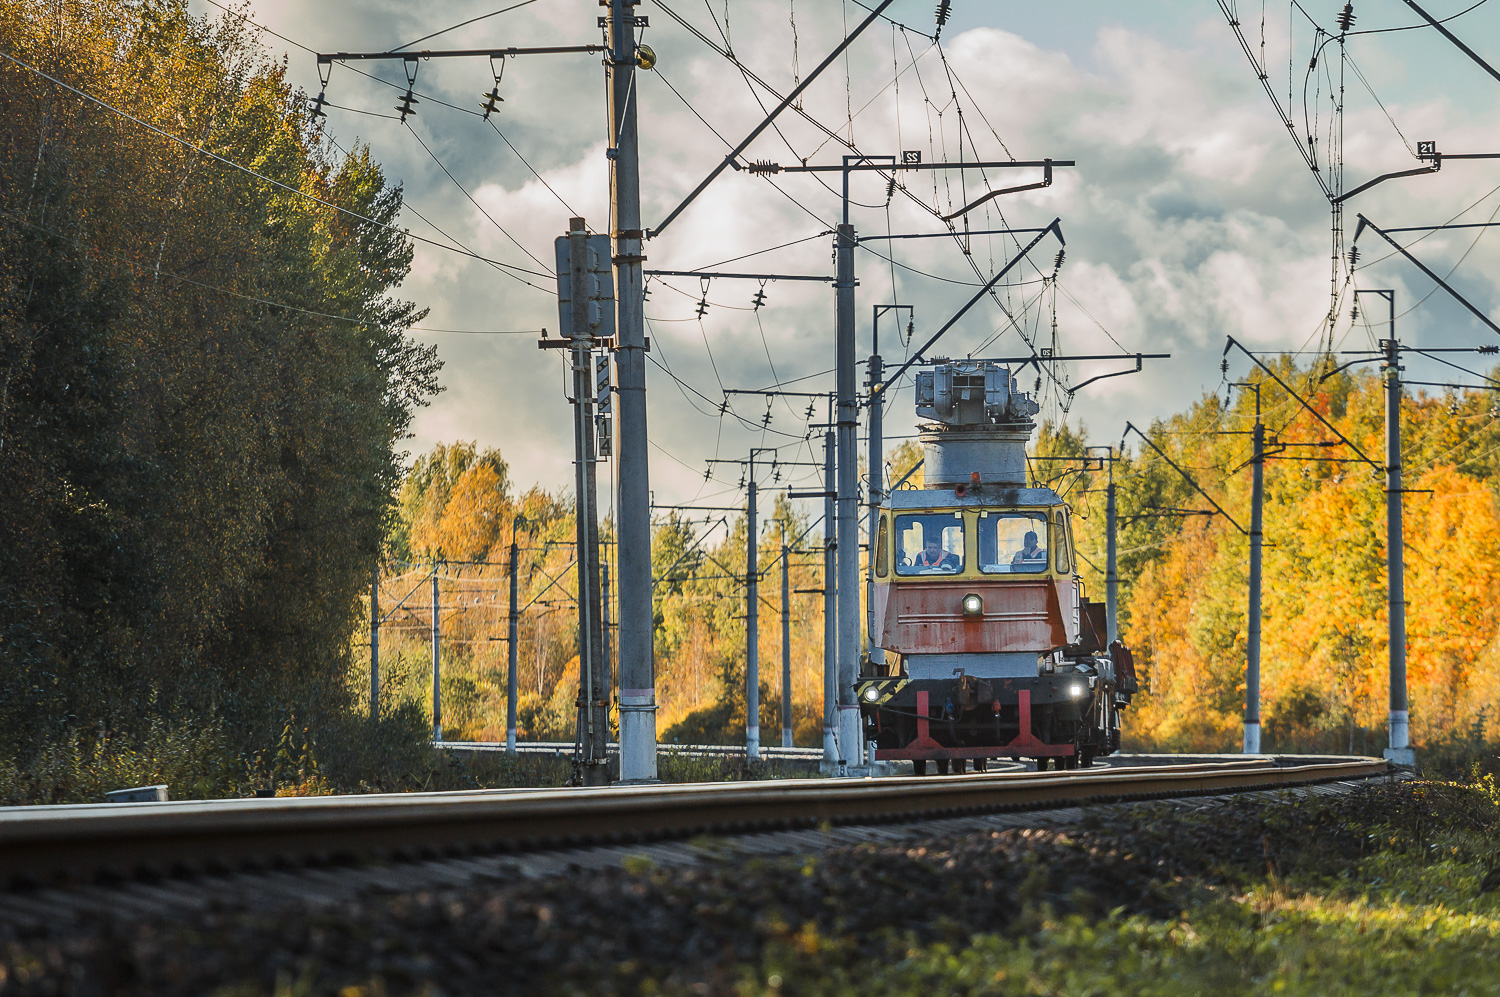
(930, 544)
(1064, 535)
(1012, 543)
(882, 547)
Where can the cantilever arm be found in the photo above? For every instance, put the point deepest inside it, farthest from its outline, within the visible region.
(1230, 341)
(1437, 163)
(790, 98)
(1055, 228)
(1454, 39)
(1046, 181)
(1366, 223)
(1114, 373)
(1130, 428)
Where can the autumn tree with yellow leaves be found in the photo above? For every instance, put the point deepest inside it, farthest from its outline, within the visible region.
(1324, 652)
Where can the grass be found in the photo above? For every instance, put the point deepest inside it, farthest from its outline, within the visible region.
(1417, 913)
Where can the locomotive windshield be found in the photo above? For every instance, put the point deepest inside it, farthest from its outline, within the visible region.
(931, 544)
(1012, 542)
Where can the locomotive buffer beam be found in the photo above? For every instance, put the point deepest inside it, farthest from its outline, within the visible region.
(923, 746)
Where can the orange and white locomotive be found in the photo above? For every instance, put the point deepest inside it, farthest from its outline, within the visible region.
(990, 648)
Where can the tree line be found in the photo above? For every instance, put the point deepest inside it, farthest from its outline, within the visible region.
(204, 384)
(1184, 579)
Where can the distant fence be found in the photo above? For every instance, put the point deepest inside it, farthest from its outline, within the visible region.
(565, 748)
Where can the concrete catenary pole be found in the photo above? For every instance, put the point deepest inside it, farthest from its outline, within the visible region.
(786, 645)
(375, 640)
(606, 653)
(850, 746)
(1111, 566)
(830, 612)
(637, 670)
(437, 672)
(752, 626)
(876, 493)
(512, 638)
(1400, 751)
(1257, 536)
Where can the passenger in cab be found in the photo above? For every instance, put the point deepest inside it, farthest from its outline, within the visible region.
(1030, 557)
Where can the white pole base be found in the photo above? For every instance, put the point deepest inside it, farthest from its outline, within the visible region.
(1252, 739)
(851, 737)
(637, 743)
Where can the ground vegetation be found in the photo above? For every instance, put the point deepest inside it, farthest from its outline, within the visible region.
(1385, 890)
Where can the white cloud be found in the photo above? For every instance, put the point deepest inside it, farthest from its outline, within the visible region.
(1189, 215)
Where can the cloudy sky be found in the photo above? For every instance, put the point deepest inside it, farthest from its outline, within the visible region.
(1190, 214)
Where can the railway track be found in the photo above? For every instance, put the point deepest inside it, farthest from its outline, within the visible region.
(88, 844)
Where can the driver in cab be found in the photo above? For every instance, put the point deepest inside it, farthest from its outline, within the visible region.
(1031, 556)
(934, 558)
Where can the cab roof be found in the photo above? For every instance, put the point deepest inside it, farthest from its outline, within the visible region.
(983, 497)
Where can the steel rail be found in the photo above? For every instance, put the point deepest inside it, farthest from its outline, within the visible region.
(86, 842)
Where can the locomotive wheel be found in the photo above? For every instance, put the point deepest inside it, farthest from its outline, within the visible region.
(919, 766)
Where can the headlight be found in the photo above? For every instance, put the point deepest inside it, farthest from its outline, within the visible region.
(871, 694)
(973, 605)
(1076, 690)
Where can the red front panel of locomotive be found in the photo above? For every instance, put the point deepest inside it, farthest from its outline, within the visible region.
(928, 617)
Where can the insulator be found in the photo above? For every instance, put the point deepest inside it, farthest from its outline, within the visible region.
(760, 298)
(1353, 256)
(405, 107)
(1346, 17)
(317, 108)
(490, 100)
(890, 188)
(1224, 366)
(1489, 349)
(944, 9)
(765, 166)
(1057, 263)
(702, 307)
